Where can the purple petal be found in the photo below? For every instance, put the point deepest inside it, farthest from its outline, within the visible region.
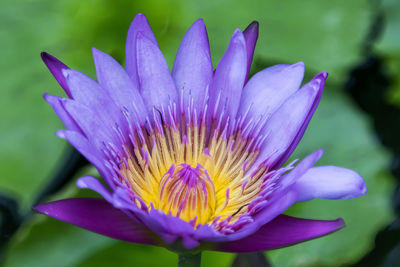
(305, 165)
(96, 100)
(330, 182)
(139, 24)
(89, 182)
(170, 228)
(268, 89)
(318, 81)
(99, 216)
(88, 150)
(251, 36)
(193, 68)
(286, 126)
(282, 231)
(282, 199)
(274, 209)
(57, 104)
(112, 77)
(55, 66)
(229, 78)
(95, 127)
(156, 84)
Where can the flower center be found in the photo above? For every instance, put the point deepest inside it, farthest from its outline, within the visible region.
(187, 193)
(201, 174)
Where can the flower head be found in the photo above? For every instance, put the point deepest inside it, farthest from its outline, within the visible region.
(194, 159)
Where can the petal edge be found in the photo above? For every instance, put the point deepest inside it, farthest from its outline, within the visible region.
(99, 216)
(281, 232)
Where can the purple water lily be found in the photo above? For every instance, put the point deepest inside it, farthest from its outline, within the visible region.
(194, 159)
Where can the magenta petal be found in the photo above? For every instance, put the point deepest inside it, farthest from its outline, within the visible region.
(156, 84)
(280, 232)
(139, 24)
(330, 182)
(99, 216)
(251, 36)
(193, 68)
(229, 77)
(56, 66)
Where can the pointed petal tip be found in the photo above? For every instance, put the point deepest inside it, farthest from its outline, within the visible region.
(140, 15)
(199, 21)
(41, 208)
(298, 68)
(98, 55)
(322, 75)
(320, 152)
(198, 27)
(52, 61)
(95, 50)
(318, 82)
(359, 186)
(237, 32)
(61, 134)
(316, 154)
(340, 223)
(299, 64)
(55, 66)
(363, 189)
(82, 183)
(87, 182)
(46, 96)
(238, 39)
(139, 20)
(44, 55)
(253, 26)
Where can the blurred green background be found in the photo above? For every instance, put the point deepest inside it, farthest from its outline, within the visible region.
(326, 35)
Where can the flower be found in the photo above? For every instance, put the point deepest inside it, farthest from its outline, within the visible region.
(194, 159)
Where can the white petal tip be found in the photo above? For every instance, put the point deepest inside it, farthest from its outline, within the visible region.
(61, 134)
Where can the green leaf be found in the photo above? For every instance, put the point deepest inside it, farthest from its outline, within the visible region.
(388, 47)
(29, 149)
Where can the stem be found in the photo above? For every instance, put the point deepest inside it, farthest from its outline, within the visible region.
(189, 260)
